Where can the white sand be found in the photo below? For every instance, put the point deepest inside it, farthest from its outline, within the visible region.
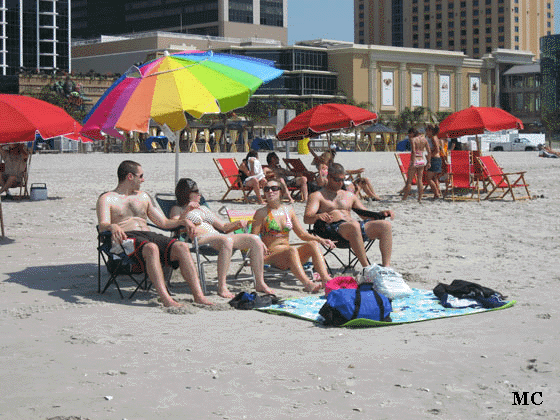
(65, 347)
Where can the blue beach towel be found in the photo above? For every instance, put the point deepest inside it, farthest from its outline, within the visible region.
(421, 305)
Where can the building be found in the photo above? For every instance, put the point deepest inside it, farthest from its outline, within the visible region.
(520, 92)
(550, 73)
(34, 35)
(217, 18)
(474, 27)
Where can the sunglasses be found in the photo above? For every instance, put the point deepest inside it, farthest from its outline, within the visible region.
(271, 188)
(139, 176)
(195, 192)
(337, 179)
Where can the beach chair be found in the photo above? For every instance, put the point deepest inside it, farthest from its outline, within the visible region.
(121, 265)
(269, 270)
(229, 170)
(348, 262)
(403, 160)
(462, 182)
(23, 189)
(297, 166)
(493, 179)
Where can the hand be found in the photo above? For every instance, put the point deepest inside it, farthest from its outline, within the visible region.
(389, 213)
(325, 217)
(189, 227)
(242, 224)
(328, 243)
(192, 205)
(117, 234)
(336, 215)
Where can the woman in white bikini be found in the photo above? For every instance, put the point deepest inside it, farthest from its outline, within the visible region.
(419, 147)
(212, 231)
(274, 223)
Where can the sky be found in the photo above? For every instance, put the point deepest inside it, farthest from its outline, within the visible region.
(334, 19)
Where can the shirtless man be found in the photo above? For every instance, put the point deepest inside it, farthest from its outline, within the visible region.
(329, 210)
(125, 211)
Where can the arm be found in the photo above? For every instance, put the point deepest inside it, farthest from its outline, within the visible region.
(103, 209)
(311, 209)
(159, 219)
(258, 220)
(380, 215)
(306, 236)
(228, 227)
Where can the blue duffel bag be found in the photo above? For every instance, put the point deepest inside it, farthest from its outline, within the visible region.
(344, 305)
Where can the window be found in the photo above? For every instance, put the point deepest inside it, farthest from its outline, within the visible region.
(415, 37)
(488, 20)
(516, 39)
(475, 22)
(488, 49)
(463, 32)
(475, 41)
(361, 33)
(463, 13)
(450, 15)
(488, 39)
(415, 9)
(450, 24)
(516, 29)
(500, 19)
(427, 35)
(463, 4)
(475, 51)
(450, 6)
(427, 45)
(516, 19)
(500, 10)
(475, 3)
(438, 25)
(516, 10)
(451, 43)
(415, 28)
(450, 34)
(438, 16)
(548, 24)
(488, 11)
(501, 29)
(463, 42)
(438, 6)
(361, 24)
(438, 34)
(415, 18)
(439, 44)
(501, 38)
(475, 12)
(426, 9)
(361, 15)
(463, 23)
(488, 1)
(475, 31)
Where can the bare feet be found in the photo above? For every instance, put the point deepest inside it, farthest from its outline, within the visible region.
(172, 304)
(264, 289)
(313, 287)
(202, 300)
(225, 293)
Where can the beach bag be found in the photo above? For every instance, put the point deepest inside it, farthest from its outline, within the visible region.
(340, 283)
(386, 281)
(365, 302)
(244, 300)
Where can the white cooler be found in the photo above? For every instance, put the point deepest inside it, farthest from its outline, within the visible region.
(38, 192)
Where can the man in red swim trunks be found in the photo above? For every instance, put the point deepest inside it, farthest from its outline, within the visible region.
(124, 212)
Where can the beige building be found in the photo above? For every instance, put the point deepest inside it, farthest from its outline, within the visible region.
(474, 27)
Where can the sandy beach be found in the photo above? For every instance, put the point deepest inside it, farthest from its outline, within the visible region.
(69, 353)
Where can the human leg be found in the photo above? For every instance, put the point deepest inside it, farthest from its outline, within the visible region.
(409, 180)
(420, 181)
(288, 257)
(352, 232)
(287, 192)
(301, 182)
(224, 245)
(312, 250)
(7, 182)
(254, 184)
(256, 252)
(150, 255)
(180, 252)
(381, 230)
(367, 186)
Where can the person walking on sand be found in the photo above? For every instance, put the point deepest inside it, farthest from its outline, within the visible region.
(125, 211)
(274, 223)
(329, 211)
(210, 230)
(419, 147)
(434, 168)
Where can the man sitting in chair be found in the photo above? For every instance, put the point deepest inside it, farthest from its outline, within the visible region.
(329, 210)
(125, 212)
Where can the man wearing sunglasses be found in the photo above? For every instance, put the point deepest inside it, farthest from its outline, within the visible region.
(125, 211)
(329, 210)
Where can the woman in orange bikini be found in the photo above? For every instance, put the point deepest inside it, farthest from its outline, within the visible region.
(274, 223)
(419, 147)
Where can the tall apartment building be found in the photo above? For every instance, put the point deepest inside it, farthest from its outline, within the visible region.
(34, 35)
(475, 27)
(222, 18)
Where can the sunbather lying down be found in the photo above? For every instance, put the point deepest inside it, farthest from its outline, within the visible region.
(545, 151)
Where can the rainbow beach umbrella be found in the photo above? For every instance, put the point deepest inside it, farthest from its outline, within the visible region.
(195, 82)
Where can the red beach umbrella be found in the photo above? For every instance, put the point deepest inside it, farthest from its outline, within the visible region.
(477, 120)
(21, 117)
(323, 119)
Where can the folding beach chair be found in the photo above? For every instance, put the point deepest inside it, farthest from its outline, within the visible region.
(352, 259)
(462, 177)
(494, 178)
(120, 264)
(297, 166)
(23, 189)
(269, 270)
(229, 170)
(403, 160)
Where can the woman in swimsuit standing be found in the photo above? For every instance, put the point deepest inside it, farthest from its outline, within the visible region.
(418, 145)
(435, 166)
(212, 231)
(274, 223)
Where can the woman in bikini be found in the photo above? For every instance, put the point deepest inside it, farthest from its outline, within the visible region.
(274, 223)
(419, 146)
(212, 231)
